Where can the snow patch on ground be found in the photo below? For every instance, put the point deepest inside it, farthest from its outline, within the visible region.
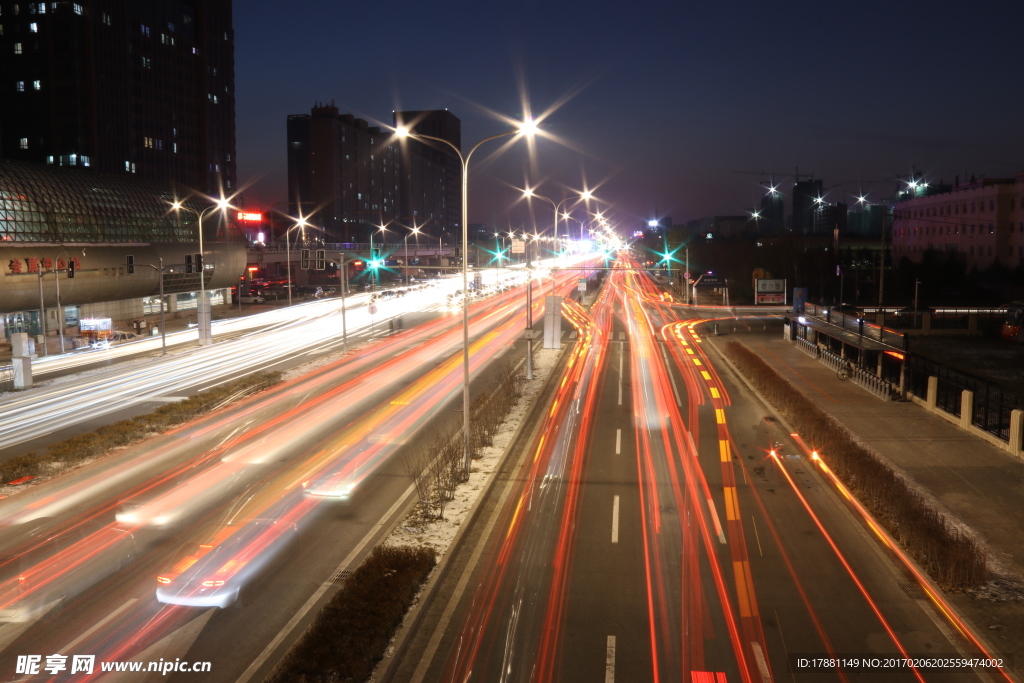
(416, 530)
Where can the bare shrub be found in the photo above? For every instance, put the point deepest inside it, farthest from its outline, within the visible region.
(953, 559)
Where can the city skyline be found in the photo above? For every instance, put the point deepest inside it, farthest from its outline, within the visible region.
(657, 118)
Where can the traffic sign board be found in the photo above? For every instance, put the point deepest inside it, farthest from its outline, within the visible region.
(372, 308)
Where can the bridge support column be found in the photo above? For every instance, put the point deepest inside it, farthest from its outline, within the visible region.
(932, 396)
(1017, 432)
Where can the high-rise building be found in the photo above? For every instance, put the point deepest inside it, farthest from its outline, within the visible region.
(349, 177)
(431, 187)
(343, 174)
(121, 86)
(830, 217)
(772, 213)
(806, 194)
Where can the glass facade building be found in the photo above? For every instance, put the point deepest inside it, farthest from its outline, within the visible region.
(41, 203)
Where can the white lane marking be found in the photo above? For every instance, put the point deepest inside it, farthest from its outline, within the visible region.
(672, 378)
(99, 624)
(620, 375)
(762, 665)
(615, 520)
(294, 621)
(618, 442)
(609, 661)
(165, 399)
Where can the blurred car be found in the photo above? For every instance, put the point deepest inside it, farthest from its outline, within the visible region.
(336, 486)
(213, 573)
(251, 299)
(54, 567)
(116, 337)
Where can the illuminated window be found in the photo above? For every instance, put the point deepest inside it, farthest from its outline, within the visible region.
(33, 27)
(24, 143)
(17, 48)
(78, 8)
(38, 85)
(20, 86)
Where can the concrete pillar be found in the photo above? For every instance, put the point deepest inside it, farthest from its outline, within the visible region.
(903, 380)
(1017, 432)
(22, 351)
(926, 323)
(966, 408)
(878, 366)
(171, 303)
(552, 322)
(933, 391)
(880, 318)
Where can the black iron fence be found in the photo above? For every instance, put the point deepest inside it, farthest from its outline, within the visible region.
(6, 378)
(992, 404)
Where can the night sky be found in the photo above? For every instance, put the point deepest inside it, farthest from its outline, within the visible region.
(656, 106)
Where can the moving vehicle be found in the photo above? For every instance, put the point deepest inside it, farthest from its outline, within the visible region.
(1013, 322)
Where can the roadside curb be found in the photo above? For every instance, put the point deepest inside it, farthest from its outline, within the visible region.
(894, 562)
(417, 613)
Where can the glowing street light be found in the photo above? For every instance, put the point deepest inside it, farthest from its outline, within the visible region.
(205, 331)
(527, 129)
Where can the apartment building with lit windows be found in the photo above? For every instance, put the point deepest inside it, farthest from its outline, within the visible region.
(981, 220)
(130, 87)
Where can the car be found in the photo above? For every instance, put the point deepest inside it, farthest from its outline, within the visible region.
(116, 337)
(51, 568)
(252, 299)
(213, 573)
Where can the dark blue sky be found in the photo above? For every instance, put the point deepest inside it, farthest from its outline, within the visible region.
(665, 101)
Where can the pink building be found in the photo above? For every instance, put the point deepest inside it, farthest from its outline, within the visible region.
(983, 220)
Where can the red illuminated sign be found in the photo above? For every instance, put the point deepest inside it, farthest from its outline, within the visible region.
(250, 216)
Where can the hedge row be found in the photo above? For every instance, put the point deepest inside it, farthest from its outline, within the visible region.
(953, 559)
(351, 633)
(70, 452)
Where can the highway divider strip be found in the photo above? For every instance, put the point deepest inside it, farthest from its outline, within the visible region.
(72, 451)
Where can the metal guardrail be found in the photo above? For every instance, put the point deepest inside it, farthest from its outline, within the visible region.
(6, 378)
(992, 405)
(857, 325)
(808, 347)
(859, 376)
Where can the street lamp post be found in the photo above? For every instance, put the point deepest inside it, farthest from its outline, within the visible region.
(60, 309)
(528, 128)
(529, 193)
(163, 327)
(205, 332)
(414, 231)
(374, 275)
(288, 254)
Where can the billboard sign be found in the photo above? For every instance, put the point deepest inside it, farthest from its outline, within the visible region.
(769, 292)
(518, 246)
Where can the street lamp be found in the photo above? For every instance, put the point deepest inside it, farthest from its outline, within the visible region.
(301, 223)
(205, 332)
(60, 309)
(527, 128)
(412, 231)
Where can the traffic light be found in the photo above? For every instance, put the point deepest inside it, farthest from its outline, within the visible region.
(71, 269)
(321, 259)
(188, 263)
(304, 259)
(199, 263)
(374, 255)
(130, 265)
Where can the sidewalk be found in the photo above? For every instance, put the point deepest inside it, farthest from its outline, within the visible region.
(978, 484)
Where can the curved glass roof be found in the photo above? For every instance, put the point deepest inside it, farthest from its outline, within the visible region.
(41, 203)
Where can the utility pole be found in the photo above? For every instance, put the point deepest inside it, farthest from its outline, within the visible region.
(881, 266)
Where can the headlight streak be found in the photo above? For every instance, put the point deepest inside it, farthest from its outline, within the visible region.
(45, 569)
(299, 507)
(685, 493)
(936, 599)
(842, 559)
(531, 544)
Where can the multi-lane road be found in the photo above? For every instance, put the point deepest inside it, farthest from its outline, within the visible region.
(661, 526)
(99, 561)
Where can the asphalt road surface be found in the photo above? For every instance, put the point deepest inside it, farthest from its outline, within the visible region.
(662, 526)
